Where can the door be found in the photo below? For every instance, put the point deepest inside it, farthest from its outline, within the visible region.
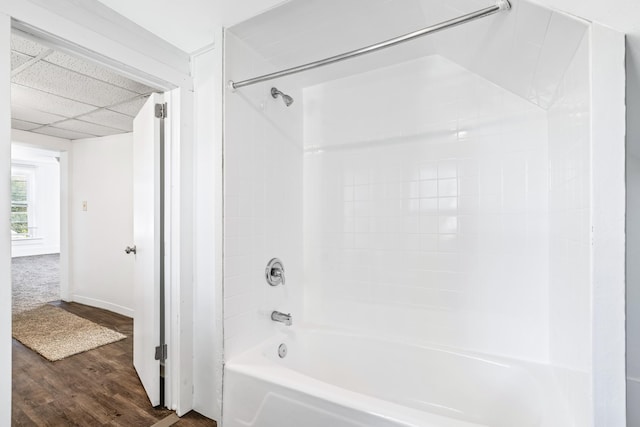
(148, 177)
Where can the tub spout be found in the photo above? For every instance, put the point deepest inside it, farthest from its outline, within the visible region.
(276, 316)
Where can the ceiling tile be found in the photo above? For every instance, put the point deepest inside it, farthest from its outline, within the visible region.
(62, 133)
(88, 128)
(18, 59)
(28, 47)
(42, 101)
(69, 84)
(32, 115)
(92, 70)
(110, 118)
(61, 87)
(23, 125)
(130, 108)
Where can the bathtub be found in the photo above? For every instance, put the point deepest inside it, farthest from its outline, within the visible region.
(337, 379)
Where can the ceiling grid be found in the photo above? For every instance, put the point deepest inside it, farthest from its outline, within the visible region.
(56, 94)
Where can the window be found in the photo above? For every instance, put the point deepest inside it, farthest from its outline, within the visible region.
(22, 219)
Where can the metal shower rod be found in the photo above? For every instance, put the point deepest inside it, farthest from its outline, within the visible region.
(500, 5)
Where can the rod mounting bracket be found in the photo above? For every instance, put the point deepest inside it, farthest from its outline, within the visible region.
(503, 4)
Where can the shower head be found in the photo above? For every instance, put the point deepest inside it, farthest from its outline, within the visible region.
(286, 98)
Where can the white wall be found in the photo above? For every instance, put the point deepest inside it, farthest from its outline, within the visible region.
(570, 300)
(29, 140)
(101, 173)
(429, 202)
(208, 354)
(46, 201)
(608, 225)
(622, 16)
(262, 205)
(5, 235)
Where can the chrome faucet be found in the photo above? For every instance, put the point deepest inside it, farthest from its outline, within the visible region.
(274, 273)
(276, 316)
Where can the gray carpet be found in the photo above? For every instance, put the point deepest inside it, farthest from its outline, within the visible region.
(35, 281)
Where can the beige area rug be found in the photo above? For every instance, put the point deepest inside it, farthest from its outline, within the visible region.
(55, 333)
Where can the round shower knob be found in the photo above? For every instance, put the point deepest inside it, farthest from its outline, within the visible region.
(274, 273)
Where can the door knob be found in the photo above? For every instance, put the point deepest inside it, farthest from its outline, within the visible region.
(130, 249)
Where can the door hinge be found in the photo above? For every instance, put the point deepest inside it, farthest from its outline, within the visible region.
(161, 352)
(161, 111)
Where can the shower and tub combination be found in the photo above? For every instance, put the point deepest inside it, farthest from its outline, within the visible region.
(436, 198)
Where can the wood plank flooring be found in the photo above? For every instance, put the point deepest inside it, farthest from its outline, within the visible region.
(96, 388)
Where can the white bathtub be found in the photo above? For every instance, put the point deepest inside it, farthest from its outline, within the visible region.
(334, 379)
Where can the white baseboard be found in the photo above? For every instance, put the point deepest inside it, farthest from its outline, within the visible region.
(26, 250)
(103, 304)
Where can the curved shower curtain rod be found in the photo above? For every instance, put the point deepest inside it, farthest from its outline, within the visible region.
(500, 5)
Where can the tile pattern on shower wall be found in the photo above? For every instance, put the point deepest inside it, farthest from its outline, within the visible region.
(426, 209)
(262, 203)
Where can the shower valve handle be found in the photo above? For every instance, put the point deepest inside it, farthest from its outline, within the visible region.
(278, 273)
(274, 273)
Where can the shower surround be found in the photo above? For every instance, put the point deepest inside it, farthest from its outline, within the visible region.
(435, 208)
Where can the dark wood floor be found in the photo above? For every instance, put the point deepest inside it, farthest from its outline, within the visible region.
(96, 388)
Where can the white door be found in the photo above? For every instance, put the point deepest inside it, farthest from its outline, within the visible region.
(147, 228)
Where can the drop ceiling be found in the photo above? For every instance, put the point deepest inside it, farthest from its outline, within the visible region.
(56, 94)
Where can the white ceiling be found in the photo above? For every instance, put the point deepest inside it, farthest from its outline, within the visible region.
(55, 94)
(191, 24)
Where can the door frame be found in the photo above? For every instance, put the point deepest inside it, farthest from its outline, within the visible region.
(82, 31)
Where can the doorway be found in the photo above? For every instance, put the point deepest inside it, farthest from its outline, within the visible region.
(101, 35)
(65, 100)
(35, 227)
